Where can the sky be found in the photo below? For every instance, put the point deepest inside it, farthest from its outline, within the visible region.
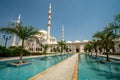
(81, 18)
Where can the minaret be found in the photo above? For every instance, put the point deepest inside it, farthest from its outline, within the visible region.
(62, 33)
(18, 21)
(14, 37)
(49, 24)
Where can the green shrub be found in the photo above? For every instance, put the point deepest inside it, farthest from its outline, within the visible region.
(12, 51)
(3, 51)
(16, 51)
(26, 53)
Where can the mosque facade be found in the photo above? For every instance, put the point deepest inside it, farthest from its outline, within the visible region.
(33, 43)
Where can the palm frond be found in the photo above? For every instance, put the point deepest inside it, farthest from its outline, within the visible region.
(8, 30)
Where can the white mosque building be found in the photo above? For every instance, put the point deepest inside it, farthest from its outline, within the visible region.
(32, 44)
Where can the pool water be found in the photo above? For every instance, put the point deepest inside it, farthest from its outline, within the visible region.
(91, 69)
(25, 72)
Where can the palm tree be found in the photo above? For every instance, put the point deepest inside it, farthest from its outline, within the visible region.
(117, 17)
(55, 50)
(111, 46)
(99, 46)
(88, 48)
(65, 48)
(94, 45)
(62, 46)
(23, 33)
(100, 36)
(45, 47)
(114, 27)
(106, 38)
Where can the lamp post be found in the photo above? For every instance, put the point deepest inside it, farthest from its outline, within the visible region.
(6, 38)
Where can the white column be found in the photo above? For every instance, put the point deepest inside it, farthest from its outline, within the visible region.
(34, 46)
(14, 40)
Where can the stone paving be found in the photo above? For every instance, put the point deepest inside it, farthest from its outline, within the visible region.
(62, 71)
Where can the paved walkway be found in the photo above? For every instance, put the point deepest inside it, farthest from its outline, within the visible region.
(62, 71)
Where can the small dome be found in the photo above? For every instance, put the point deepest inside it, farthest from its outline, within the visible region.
(76, 41)
(43, 31)
(69, 42)
(54, 42)
(85, 40)
(53, 37)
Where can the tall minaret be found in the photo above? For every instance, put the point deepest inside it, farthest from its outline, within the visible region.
(62, 33)
(49, 24)
(18, 20)
(14, 37)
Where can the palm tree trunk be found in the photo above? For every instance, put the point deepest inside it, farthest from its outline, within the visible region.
(107, 57)
(45, 54)
(96, 52)
(21, 52)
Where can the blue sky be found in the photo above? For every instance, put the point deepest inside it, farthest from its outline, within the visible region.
(81, 18)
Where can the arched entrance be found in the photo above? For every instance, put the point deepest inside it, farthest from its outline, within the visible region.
(77, 50)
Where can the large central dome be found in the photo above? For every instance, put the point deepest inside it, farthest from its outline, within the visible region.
(43, 31)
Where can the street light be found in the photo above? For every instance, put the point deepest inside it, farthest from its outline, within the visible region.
(6, 38)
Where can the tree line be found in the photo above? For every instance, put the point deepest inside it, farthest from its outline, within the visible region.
(103, 41)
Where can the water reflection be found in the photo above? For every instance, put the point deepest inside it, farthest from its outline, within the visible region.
(92, 69)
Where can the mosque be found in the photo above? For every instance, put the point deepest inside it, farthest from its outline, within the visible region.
(32, 43)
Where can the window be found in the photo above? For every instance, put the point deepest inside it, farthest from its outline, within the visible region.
(119, 45)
